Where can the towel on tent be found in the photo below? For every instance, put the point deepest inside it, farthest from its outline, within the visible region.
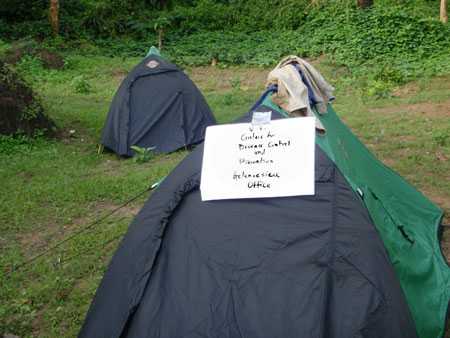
(300, 86)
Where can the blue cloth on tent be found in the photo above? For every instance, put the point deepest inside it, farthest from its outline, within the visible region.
(271, 89)
(274, 88)
(311, 96)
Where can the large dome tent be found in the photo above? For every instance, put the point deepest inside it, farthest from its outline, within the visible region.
(304, 266)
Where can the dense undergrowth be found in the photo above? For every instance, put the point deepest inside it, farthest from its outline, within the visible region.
(387, 45)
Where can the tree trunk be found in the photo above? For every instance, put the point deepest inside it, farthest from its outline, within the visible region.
(444, 16)
(54, 16)
(160, 38)
(364, 3)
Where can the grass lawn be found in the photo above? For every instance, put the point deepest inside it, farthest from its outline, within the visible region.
(49, 189)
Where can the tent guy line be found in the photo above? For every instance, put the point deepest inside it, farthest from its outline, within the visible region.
(60, 258)
(91, 249)
(54, 233)
(13, 268)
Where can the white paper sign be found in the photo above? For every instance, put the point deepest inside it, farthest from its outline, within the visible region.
(247, 161)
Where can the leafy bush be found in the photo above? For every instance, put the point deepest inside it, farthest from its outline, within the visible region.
(143, 155)
(30, 66)
(442, 137)
(10, 145)
(3, 46)
(389, 44)
(81, 85)
(378, 89)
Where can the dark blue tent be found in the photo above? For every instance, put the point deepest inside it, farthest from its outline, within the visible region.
(302, 266)
(157, 105)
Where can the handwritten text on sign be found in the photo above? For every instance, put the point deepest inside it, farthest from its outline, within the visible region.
(271, 160)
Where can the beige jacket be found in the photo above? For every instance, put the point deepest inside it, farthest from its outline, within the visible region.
(292, 93)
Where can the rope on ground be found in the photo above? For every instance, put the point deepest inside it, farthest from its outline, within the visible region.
(90, 250)
(59, 231)
(60, 259)
(75, 234)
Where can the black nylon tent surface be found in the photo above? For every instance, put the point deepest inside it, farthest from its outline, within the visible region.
(305, 266)
(156, 105)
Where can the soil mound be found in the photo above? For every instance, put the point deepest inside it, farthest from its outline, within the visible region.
(50, 59)
(20, 110)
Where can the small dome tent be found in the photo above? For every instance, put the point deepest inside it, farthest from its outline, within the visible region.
(156, 105)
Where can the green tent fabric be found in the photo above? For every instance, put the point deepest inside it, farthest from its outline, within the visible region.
(153, 51)
(407, 221)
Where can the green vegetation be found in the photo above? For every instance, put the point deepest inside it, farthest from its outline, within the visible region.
(142, 155)
(50, 189)
(390, 65)
(387, 45)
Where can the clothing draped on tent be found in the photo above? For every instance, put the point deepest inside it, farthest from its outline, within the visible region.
(300, 88)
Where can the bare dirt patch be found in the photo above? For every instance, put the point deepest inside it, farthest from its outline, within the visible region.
(218, 79)
(119, 74)
(442, 201)
(76, 133)
(110, 167)
(129, 210)
(433, 110)
(32, 240)
(26, 176)
(36, 240)
(215, 78)
(407, 90)
(50, 59)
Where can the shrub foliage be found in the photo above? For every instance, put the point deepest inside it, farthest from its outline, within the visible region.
(393, 42)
